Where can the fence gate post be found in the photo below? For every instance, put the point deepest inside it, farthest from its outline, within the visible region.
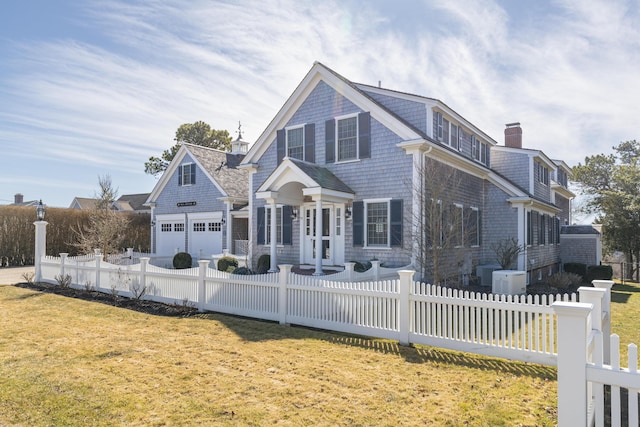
(606, 321)
(98, 258)
(63, 260)
(285, 270)
(404, 309)
(40, 247)
(202, 275)
(572, 360)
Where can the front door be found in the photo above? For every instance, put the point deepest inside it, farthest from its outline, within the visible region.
(332, 249)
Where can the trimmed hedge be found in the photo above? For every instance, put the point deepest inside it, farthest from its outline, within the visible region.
(599, 272)
(182, 260)
(264, 263)
(227, 261)
(576, 268)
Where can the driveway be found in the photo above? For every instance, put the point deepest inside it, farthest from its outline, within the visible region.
(13, 275)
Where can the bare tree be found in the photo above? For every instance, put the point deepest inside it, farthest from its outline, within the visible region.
(106, 229)
(444, 228)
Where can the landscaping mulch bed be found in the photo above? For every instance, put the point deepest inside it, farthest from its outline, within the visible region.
(140, 305)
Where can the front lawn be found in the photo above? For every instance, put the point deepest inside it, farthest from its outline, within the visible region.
(70, 362)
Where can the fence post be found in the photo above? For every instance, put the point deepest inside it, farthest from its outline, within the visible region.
(572, 360)
(606, 312)
(144, 261)
(348, 266)
(63, 260)
(40, 247)
(202, 275)
(285, 270)
(98, 258)
(404, 309)
(375, 266)
(593, 296)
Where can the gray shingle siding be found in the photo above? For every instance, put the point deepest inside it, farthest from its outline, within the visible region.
(411, 111)
(513, 166)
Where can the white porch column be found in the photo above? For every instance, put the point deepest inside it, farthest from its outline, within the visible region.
(229, 225)
(274, 236)
(318, 271)
(522, 237)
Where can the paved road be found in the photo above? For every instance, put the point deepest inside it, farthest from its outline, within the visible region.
(12, 275)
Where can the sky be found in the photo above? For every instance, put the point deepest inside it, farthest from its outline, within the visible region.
(94, 88)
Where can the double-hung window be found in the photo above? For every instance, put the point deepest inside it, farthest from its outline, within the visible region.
(543, 174)
(347, 141)
(295, 143)
(455, 143)
(377, 217)
(475, 147)
(473, 227)
(445, 131)
(187, 174)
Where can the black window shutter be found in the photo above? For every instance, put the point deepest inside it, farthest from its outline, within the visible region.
(193, 173)
(330, 140)
(180, 174)
(261, 227)
(358, 223)
(396, 222)
(364, 135)
(280, 144)
(310, 143)
(479, 227)
(287, 225)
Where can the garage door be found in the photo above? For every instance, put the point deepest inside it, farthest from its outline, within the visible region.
(170, 236)
(205, 235)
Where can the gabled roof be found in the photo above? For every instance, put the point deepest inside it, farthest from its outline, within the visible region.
(133, 202)
(219, 166)
(323, 176)
(319, 73)
(578, 229)
(84, 203)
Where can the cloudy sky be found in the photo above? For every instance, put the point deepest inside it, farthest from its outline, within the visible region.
(95, 88)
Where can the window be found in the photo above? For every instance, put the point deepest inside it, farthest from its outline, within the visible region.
(165, 227)
(455, 226)
(445, 131)
(338, 221)
(178, 226)
(377, 224)
(278, 225)
(215, 226)
(473, 227)
(187, 174)
(531, 217)
(437, 126)
(475, 147)
(542, 235)
(198, 226)
(484, 154)
(295, 143)
(543, 174)
(562, 177)
(347, 139)
(455, 142)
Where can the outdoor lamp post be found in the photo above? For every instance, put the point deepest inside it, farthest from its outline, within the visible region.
(41, 239)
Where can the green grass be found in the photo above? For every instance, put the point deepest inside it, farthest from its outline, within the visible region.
(625, 316)
(72, 362)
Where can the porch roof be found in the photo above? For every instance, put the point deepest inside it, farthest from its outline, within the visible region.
(322, 176)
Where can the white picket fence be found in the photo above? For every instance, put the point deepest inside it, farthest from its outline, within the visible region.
(591, 381)
(514, 327)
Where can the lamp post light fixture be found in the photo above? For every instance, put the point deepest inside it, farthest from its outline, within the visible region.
(40, 211)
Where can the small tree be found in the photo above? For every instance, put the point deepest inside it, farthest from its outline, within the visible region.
(106, 228)
(507, 252)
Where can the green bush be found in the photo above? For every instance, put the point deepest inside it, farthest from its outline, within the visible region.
(242, 271)
(576, 268)
(264, 263)
(227, 262)
(598, 272)
(361, 267)
(182, 260)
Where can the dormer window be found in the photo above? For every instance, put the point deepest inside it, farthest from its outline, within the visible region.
(187, 174)
(543, 174)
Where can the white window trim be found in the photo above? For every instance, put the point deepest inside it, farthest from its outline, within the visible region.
(286, 137)
(182, 166)
(366, 223)
(337, 144)
(267, 226)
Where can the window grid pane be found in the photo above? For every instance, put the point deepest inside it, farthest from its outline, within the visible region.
(198, 226)
(348, 139)
(377, 224)
(295, 143)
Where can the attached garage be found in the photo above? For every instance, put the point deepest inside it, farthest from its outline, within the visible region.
(170, 235)
(205, 234)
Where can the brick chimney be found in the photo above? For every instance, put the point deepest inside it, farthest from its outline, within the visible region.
(18, 199)
(513, 135)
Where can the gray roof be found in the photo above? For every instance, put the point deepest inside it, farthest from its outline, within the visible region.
(324, 177)
(223, 167)
(578, 229)
(135, 201)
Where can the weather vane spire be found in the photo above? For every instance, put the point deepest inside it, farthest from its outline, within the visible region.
(239, 130)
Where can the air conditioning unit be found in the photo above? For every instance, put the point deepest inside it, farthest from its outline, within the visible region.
(509, 282)
(485, 273)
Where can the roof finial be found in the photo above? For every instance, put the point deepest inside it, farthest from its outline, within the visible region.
(239, 131)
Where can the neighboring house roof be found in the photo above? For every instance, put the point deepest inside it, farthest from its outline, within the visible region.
(219, 166)
(133, 202)
(84, 203)
(578, 229)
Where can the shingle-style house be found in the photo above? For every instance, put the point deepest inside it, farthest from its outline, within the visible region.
(336, 177)
(134, 203)
(197, 204)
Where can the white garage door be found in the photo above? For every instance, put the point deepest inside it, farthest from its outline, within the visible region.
(170, 234)
(205, 234)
